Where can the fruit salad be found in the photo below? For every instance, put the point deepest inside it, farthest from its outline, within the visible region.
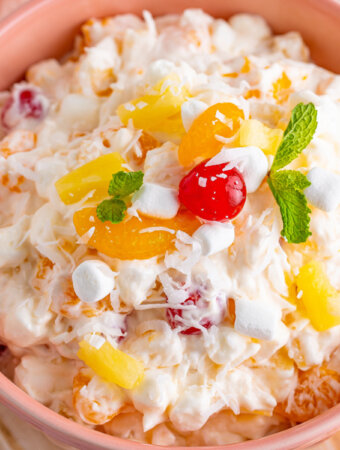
(169, 229)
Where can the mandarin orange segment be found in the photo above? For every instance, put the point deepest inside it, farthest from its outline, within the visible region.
(92, 176)
(317, 390)
(282, 88)
(132, 238)
(92, 412)
(221, 119)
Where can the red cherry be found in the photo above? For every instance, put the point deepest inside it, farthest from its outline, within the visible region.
(213, 193)
(176, 317)
(29, 104)
(24, 102)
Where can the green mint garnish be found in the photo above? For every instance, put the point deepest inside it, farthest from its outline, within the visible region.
(125, 183)
(112, 209)
(287, 186)
(297, 136)
(121, 186)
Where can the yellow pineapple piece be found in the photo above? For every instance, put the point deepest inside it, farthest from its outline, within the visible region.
(111, 364)
(162, 104)
(253, 132)
(320, 299)
(94, 175)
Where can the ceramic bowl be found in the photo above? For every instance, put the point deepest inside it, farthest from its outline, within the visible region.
(46, 28)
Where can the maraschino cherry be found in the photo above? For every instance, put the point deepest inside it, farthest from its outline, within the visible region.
(213, 192)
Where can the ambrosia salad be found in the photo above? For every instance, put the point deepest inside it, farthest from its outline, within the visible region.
(170, 240)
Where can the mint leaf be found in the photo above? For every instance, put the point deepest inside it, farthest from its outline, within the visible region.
(112, 210)
(287, 187)
(288, 179)
(125, 183)
(297, 136)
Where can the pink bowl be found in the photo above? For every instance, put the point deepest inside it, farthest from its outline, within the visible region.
(45, 28)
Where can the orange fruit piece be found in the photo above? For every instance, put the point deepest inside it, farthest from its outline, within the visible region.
(318, 389)
(221, 119)
(128, 240)
(105, 406)
(282, 88)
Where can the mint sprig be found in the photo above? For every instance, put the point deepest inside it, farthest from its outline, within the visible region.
(297, 136)
(287, 186)
(125, 183)
(112, 209)
(122, 185)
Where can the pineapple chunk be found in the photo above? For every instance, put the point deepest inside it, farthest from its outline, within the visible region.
(95, 175)
(320, 299)
(162, 104)
(253, 132)
(111, 364)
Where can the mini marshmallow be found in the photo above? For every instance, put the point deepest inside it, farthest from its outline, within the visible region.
(190, 111)
(324, 192)
(214, 237)
(256, 319)
(92, 280)
(251, 162)
(156, 201)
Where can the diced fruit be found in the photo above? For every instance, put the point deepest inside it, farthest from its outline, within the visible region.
(159, 109)
(146, 143)
(253, 132)
(111, 364)
(26, 102)
(94, 175)
(320, 299)
(222, 119)
(109, 398)
(317, 390)
(212, 192)
(128, 240)
(206, 318)
(281, 88)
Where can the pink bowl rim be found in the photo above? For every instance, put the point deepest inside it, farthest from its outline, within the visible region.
(71, 433)
(77, 435)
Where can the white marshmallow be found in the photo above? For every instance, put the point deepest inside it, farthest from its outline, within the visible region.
(156, 201)
(324, 192)
(251, 162)
(214, 237)
(190, 111)
(92, 280)
(256, 319)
